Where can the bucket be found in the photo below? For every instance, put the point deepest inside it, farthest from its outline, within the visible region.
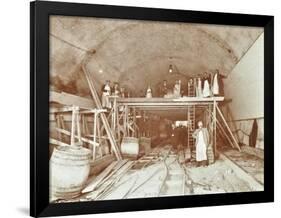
(145, 145)
(69, 170)
(130, 146)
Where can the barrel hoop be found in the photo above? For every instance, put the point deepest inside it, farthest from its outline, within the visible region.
(66, 188)
(60, 154)
(68, 164)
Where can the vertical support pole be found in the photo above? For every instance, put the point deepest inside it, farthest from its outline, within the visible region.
(83, 125)
(144, 123)
(73, 124)
(134, 122)
(118, 118)
(188, 126)
(115, 115)
(95, 135)
(98, 137)
(78, 124)
(125, 123)
(62, 126)
(58, 123)
(215, 127)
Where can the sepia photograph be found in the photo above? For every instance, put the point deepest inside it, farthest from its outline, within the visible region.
(151, 109)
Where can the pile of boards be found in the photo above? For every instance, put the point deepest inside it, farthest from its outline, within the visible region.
(98, 186)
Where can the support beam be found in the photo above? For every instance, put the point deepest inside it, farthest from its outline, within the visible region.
(229, 130)
(63, 131)
(96, 99)
(70, 99)
(215, 127)
(222, 129)
(57, 142)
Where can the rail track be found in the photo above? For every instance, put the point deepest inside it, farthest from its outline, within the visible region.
(160, 174)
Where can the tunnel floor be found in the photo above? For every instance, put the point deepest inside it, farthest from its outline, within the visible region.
(163, 172)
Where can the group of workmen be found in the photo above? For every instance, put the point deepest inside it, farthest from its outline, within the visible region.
(107, 91)
(205, 85)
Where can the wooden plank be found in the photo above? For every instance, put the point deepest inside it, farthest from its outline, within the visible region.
(229, 130)
(225, 135)
(108, 184)
(70, 99)
(222, 130)
(116, 169)
(95, 96)
(105, 182)
(164, 100)
(96, 181)
(57, 142)
(66, 132)
(100, 164)
(157, 103)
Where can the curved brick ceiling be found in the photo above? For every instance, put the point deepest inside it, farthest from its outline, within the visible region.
(138, 53)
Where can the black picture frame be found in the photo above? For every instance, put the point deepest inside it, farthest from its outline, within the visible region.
(39, 107)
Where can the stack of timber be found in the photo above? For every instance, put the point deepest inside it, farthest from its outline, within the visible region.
(100, 164)
(158, 174)
(99, 185)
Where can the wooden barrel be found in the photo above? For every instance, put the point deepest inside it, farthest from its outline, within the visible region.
(145, 145)
(130, 146)
(69, 170)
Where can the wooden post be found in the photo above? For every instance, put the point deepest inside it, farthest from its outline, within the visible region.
(61, 119)
(222, 129)
(214, 128)
(115, 114)
(134, 122)
(58, 123)
(78, 124)
(95, 135)
(98, 130)
(95, 96)
(73, 124)
(83, 125)
(188, 124)
(125, 120)
(229, 130)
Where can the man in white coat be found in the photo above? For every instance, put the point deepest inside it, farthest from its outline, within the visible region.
(201, 143)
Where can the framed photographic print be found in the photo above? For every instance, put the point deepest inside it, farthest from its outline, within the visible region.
(144, 108)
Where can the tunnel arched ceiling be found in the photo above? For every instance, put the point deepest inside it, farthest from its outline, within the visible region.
(138, 53)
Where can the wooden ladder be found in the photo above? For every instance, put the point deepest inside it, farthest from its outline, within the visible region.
(191, 126)
(190, 117)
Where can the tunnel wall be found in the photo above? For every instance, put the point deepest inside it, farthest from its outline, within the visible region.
(245, 87)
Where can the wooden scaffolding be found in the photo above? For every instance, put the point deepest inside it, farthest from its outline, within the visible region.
(124, 114)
